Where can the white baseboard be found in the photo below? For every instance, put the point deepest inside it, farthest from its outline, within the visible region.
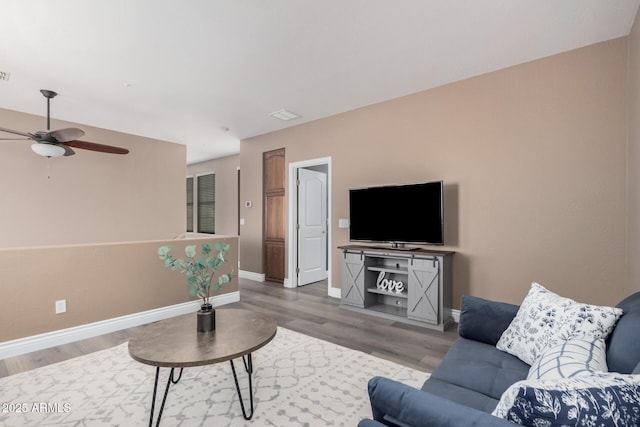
(258, 277)
(64, 336)
(335, 292)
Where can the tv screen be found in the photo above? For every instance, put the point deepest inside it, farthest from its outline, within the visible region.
(410, 213)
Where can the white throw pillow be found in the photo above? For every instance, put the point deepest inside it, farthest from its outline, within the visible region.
(576, 356)
(545, 318)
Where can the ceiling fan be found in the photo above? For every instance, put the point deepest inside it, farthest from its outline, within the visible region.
(60, 142)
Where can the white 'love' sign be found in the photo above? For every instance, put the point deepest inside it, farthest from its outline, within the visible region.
(388, 284)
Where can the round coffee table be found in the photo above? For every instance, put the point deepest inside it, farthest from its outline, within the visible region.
(175, 343)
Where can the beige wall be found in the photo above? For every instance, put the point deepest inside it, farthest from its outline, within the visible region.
(89, 197)
(226, 170)
(99, 282)
(533, 159)
(59, 217)
(633, 165)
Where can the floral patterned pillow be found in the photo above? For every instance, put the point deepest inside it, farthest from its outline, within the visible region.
(545, 318)
(599, 399)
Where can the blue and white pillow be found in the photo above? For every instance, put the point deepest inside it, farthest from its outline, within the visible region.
(599, 399)
(545, 318)
(576, 356)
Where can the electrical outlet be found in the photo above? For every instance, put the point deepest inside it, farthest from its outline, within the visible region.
(61, 306)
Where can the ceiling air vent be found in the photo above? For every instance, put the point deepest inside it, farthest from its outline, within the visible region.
(4, 76)
(284, 115)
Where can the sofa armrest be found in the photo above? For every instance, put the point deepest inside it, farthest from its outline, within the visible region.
(397, 404)
(370, 423)
(484, 320)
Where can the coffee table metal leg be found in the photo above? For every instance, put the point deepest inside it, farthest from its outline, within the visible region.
(170, 380)
(248, 366)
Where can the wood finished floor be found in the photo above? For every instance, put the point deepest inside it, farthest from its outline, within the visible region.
(307, 310)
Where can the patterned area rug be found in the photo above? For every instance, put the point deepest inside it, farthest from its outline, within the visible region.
(298, 381)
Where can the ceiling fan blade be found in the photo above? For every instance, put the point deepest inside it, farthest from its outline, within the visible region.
(66, 135)
(85, 145)
(15, 132)
(67, 151)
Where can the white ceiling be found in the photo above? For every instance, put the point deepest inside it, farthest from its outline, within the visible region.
(184, 71)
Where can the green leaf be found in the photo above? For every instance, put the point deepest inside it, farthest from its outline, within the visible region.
(190, 251)
(193, 292)
(218, 246)
(192, 280)
(226, 247)
(206, 248)
(224, 278)
(163, 251)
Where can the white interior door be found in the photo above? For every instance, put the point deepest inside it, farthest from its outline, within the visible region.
(312, 231)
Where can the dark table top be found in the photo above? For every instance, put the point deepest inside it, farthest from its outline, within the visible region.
(175, 343)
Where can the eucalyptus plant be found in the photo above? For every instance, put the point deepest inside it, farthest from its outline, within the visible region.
(200, 269)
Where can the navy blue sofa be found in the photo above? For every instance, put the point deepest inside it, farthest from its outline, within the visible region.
(467, 385)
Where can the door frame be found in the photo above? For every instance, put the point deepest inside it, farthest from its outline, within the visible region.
(292, 246)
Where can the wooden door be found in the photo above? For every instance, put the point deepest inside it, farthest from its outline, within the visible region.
(274, 215)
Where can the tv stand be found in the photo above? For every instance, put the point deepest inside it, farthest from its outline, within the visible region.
(420, 282)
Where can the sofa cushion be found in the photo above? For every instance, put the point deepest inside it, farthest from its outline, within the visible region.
(479, 368)
(623, 345)
(545, 318)
(576, 356)
(611, 399)
(461, 395)
(483, 320)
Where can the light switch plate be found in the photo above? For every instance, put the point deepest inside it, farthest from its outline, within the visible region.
(61, 306)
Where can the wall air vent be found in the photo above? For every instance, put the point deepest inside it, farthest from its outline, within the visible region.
(4, 76)
(284, 115)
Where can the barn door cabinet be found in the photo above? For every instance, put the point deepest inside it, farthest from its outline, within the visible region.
(408, 286)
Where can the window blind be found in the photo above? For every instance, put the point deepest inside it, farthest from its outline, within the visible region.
(207, 203)
(189, 204)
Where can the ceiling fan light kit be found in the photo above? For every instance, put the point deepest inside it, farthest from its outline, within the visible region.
(48, 150)
(58, 143)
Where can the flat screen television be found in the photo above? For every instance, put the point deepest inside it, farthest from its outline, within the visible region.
(397, 214)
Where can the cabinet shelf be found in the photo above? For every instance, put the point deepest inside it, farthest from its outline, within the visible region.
(403, 294)
(389, 270)
(389, 309)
